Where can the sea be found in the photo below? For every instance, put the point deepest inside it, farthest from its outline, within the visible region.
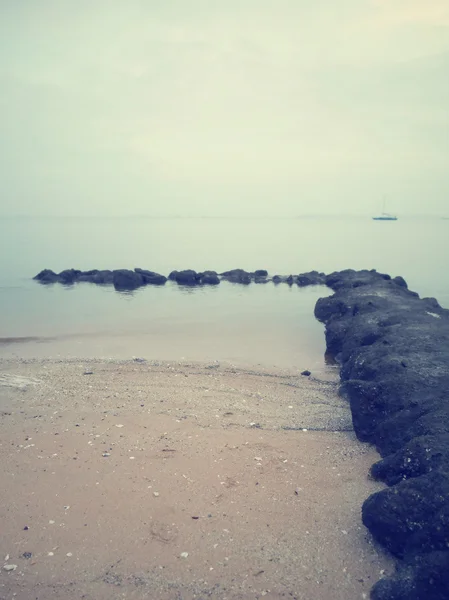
(260, 324)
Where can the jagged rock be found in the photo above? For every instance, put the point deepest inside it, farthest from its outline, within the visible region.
(150, 277)
(311, 278)
(47, 276)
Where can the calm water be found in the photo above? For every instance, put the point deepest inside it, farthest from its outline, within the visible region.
(267, 324)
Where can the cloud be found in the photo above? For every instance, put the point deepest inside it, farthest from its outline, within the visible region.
(406, 12)
(125, 101)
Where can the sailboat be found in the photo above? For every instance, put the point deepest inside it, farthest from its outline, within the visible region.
(384, 216)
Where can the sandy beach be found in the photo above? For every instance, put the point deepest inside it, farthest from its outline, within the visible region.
(140, 479)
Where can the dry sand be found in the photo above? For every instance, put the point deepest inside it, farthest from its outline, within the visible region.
(179, 481)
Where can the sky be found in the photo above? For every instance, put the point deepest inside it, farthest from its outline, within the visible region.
(212, 108)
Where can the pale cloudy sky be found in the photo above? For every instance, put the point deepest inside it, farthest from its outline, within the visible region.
(208, 107)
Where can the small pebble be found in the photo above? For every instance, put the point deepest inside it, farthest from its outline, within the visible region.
(156, 494)
(10, 567)
(51, 554)
(257, 458)
(69, 554)
(184, 554)
(119, 425)
(7, 558)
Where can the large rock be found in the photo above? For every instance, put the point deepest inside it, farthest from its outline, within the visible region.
(237, 276)
(124, 279)
(401, 517)
(69, 276)
(427, 577)
(47, 276)
(311, 278)
(209, 278)
(151, 278)
(260, 276)
(393, 350)
(187, 277)
(103, 277)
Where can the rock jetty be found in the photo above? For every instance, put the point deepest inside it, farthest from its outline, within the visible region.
(393, 351)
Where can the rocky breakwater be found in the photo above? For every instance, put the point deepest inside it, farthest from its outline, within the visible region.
(126, 279)
(393, 350)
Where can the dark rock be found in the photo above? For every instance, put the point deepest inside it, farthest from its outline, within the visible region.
(393, 351)
(209, 278)
(187, 277)
(103, 277)
(124, 279)
(427, 578)
(151, 278)
(400, 281)
(237, 276)
(27, 555)
(419, 456)
(47, 276)
(306, 373)
(69, 276)
(283, 279)
(311, 278)
(398, 515)
(260, 276)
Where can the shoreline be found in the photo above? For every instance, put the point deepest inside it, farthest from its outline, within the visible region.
(194, 440)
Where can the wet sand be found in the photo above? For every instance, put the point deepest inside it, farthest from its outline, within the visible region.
(180, 481)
